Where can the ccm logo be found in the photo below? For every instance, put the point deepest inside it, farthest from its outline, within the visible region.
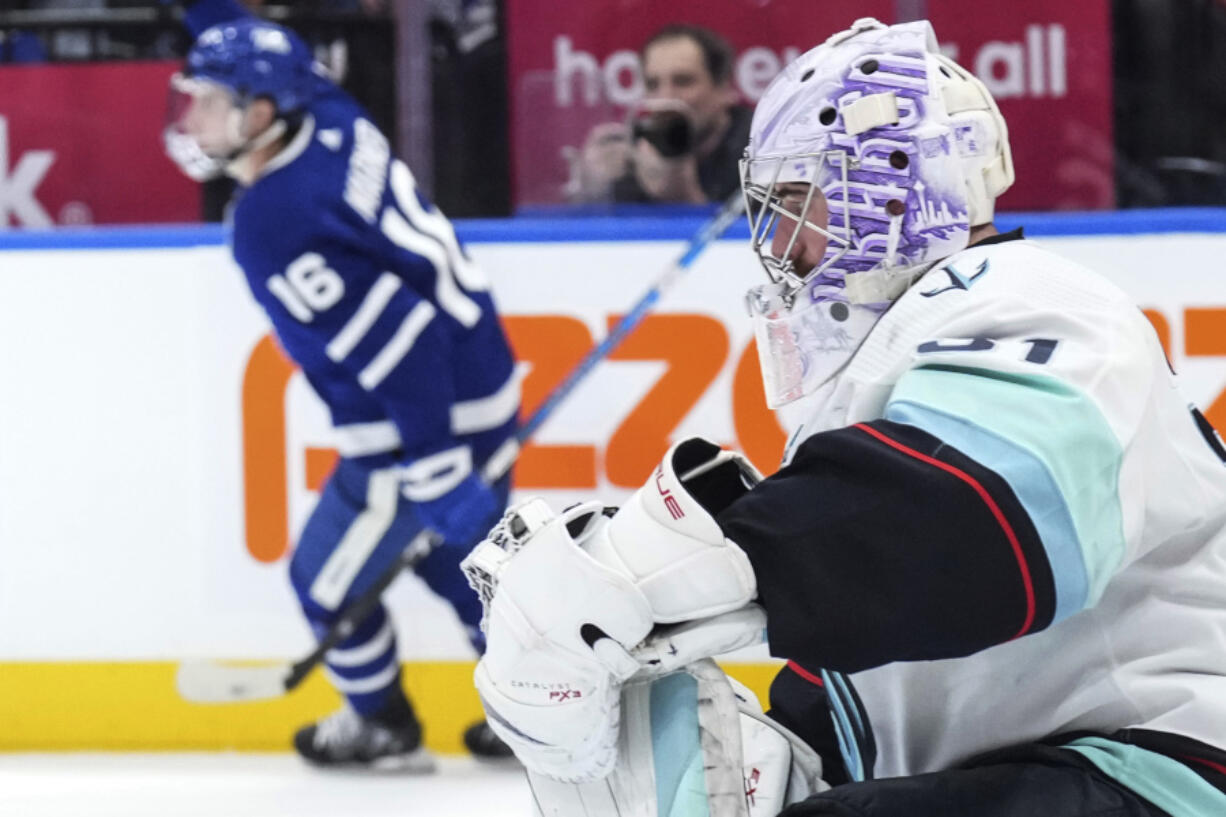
(670, 501)
(560, 695)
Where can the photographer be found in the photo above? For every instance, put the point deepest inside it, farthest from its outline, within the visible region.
(683, 143)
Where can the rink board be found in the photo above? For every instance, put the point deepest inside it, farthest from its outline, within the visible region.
(133, 706)
(158, 454)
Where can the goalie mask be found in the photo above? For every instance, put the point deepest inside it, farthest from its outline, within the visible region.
(869, 159)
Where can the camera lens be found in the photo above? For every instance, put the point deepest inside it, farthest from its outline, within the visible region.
(667, 131)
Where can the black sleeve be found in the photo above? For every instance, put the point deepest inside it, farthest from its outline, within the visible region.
(880, 543)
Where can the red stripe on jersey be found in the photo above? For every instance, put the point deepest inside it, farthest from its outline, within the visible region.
(1217, 767)
(1023, 567)
(804, 673)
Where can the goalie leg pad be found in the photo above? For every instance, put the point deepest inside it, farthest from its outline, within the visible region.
(692, 744)
(780, 768)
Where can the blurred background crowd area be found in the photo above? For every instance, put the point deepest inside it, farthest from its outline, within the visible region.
(504, 107)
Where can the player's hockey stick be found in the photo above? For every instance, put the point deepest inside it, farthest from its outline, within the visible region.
(207, 681)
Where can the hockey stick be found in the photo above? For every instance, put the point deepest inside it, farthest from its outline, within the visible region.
(206, 681)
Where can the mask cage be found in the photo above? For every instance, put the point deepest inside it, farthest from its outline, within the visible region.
(765, 209)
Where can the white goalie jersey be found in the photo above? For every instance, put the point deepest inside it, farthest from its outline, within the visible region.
(1048, 375)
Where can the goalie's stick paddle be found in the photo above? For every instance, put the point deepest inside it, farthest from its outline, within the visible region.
(207, 681)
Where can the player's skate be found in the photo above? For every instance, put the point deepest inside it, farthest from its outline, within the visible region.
(390, 741)
(481, 741)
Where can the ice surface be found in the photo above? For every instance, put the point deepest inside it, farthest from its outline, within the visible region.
(248, 785)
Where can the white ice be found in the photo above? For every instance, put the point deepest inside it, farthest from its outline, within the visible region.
(248, 785)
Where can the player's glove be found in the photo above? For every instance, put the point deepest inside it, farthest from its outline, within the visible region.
(666, 541)
(559, 627)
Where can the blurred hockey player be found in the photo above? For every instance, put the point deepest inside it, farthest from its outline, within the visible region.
(393, 326)
(995, 555)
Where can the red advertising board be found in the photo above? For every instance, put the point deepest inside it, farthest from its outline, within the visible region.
(1047, 62)
(81, 144)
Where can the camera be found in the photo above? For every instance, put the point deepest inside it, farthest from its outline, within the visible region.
(668, 131)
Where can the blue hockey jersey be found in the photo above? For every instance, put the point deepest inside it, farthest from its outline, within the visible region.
(373, 296)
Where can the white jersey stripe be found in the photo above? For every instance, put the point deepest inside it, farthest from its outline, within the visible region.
(359, 686)
(399, 346)
(484, 413)
(372, 307)
(361, 439)
(363, 653)
(360, 540)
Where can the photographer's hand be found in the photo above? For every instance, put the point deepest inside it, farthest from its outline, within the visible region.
(667, 179)
(604, 158)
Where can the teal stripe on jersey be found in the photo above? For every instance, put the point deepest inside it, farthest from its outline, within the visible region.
(1032, 483)
(1167, 783)
(1055, 424)
(676, 747)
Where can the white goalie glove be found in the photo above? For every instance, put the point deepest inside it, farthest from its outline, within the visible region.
(559, 627)
(568, 597)
(666, 540)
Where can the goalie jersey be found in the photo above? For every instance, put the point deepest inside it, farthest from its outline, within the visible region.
(372, 295)
(1021, 534)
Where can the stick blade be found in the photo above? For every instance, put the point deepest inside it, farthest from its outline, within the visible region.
(211, 682)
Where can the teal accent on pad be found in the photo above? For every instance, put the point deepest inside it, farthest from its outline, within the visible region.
(1032, 483)
(676, 745)
(849, 746)
(1059, 426)
(1167, 783)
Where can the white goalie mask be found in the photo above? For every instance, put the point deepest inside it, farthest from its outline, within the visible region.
(870, 158)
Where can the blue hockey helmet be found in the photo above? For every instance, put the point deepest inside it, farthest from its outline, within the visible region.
(255, 59)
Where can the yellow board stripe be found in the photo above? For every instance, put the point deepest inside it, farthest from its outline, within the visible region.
(133, 706)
